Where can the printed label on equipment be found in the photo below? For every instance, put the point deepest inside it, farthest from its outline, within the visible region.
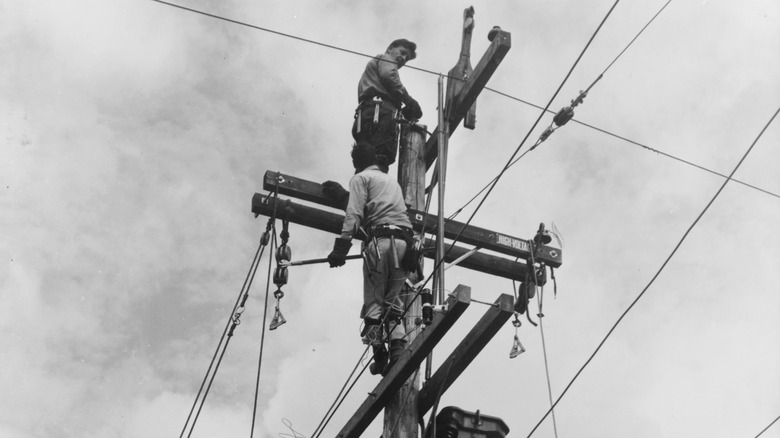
(512, 242)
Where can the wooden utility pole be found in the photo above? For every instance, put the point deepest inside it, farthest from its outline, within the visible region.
(400, 392)
(401, 413)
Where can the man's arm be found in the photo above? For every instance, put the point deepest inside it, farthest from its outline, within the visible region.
(352, 220)
(388, 75)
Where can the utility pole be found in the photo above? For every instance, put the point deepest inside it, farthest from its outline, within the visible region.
(401, 413)
(400, 393)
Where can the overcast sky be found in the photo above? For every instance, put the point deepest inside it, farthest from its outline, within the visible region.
(134, 135)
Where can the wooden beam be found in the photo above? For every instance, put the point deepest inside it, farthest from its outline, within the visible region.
(496, 316)
(471, 235)
(478, 261)
(411, 360)
(331, 222)
(492, 240)
(298, 188)
(467, 95)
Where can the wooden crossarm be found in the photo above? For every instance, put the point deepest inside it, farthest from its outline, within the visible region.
(331, 222)
(465, 352)
(467, 95)
(491, 240)
(403, 369)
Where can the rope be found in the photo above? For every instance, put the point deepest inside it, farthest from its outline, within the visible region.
(652, 280)
(253, 267)
(322, 422)
(327, 418)
(539, 301)
(262, 332)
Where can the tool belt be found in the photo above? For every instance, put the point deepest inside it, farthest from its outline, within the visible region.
(411, 259)
(382, 100)
(404, 233)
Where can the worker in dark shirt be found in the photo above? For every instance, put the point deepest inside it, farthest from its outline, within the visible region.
(381, 96)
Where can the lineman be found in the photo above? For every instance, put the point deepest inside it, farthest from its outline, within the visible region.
(376, 206)
(380, 95)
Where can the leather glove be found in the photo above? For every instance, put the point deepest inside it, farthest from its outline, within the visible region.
(338, 257)
(412, 110)
(337, 192)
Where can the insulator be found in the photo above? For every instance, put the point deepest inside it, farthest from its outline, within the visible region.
(542, 236)
(563, 116)
(426, 297)
(283, 253)
(280, 276)
(546, 134)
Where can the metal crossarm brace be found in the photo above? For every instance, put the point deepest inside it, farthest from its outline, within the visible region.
(465, 352)
(403, 369)
(331, 222)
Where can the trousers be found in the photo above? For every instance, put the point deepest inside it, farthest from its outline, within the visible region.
(383, 281)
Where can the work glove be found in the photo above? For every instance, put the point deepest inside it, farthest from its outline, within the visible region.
(336, 191)
(412, 110)
(338, 257)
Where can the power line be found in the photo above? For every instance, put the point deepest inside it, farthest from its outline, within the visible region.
(509, 162)
(767, 428)
(341, 49)
(652, 280)
(636, 143)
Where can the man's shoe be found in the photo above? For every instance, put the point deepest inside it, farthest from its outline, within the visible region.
(380, 360)
(397, 348)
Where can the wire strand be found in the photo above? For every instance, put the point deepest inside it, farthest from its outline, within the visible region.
(265, 319)
(544, 354)
(652, 280)
(514, 154)
(322, 424)
(509, 96)
(770, 425)
(258, 255)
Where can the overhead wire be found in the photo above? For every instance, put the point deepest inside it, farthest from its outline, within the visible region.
(514, 154)
(510, 162)
(767, 428)
(582, 94)
(652, 280)
(501, 93)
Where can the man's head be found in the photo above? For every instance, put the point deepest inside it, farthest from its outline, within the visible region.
(363, 155)
(402, 50)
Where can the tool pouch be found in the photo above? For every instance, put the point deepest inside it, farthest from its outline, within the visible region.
(412, 259)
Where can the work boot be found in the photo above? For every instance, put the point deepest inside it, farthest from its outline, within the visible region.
(397, 348)
(380, 359)
(372, 333)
